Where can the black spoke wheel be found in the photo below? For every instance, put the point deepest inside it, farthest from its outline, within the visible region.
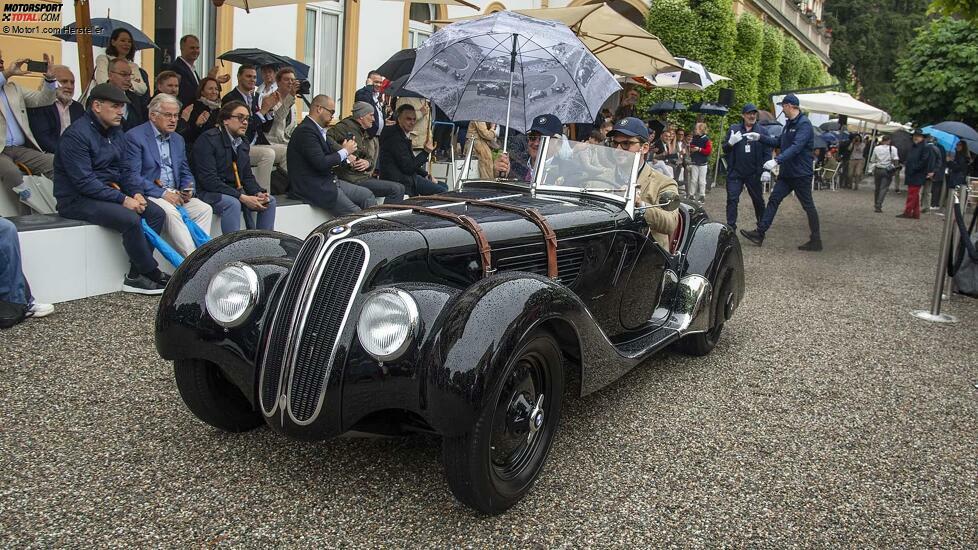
(213, 398)
(493, 466)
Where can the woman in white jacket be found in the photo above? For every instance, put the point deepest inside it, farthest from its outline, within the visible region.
(120, 45)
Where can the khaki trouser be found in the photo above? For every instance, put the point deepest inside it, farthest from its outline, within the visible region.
(264, 158)
(200, 212)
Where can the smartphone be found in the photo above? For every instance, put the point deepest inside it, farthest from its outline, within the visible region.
(37, 66)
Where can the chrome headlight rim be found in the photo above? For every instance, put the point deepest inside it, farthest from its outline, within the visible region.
(254, 294)
(414, 322)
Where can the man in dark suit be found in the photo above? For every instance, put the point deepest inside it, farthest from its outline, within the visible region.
(264, 157)
(399, 163)
(120, 76)
(312, 158)
(370, 93)
(48, 123)
(184, 66)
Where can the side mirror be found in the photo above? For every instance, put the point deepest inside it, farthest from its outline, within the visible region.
(668, 201)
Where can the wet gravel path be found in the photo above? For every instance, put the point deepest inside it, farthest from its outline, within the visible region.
(827, 416)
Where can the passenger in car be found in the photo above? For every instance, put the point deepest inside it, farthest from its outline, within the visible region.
(545, 125)
(632, 135)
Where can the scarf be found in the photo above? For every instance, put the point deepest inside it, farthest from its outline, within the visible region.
(210, 104)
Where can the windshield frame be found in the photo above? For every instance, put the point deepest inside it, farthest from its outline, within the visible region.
(536, 185)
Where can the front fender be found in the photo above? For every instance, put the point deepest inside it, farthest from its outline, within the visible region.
(713, 251)
(184, 330)
(479, 331)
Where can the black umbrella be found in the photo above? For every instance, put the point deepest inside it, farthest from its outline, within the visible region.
(903, 142)
(820, 142)
(959, 129)
(709, 109)
(667, 106)
(830, 126)
(773, 127)
(400, 64)
(257, 57)
(396, 88)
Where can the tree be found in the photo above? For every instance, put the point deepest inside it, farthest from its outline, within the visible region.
(937, 77)
(747, 64)
(965, 9)
(792, 63)
(769, 77)
(811, 71)
(716, 31)
(868, 36)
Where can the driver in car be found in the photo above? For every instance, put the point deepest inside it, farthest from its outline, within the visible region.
(632, 135)
(544, 125)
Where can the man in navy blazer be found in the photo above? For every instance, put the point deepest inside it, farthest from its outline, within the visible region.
(314, 155)
(222, 169)
(156, 158)
(48, 123)
(370, 93)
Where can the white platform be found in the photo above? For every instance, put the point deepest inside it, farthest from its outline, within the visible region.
(77, 262)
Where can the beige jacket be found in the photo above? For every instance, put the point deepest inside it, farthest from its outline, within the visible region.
(662, 224)
(102, 74)
(280, 132)
(20, 99)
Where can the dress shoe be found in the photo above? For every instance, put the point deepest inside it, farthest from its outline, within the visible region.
(755, 237)
(814, 245)
(903, 216)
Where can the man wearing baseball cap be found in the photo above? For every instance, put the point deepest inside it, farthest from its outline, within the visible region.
(745, 164)
(797, 144)
(632, 135)
(543, 125)
(91, 183)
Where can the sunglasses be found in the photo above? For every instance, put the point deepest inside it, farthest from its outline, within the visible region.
(624, 144)
(533, 137)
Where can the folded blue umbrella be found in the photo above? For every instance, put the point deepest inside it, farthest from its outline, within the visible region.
(947, 141)
(196, 233)
(164, 247)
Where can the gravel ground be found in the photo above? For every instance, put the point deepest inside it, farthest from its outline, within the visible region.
(827, 416)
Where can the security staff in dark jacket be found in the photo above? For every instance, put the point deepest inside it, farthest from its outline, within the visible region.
(920, 167)
(745, 163)
(316, 156)
(91, 184)
(222, 170)
(939, 160)
(795, 160)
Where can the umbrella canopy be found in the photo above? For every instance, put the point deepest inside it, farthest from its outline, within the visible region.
(257, 57)
(666, 106)
(396, 88)
(709, 109)
(249, 5)
(903, 141)
(480, 68)
(619, 44)
(773, 127)
(766, 116)
(106, 27)
(958, 129)
(865, 126)
(839, 103)
(399, 64)
(947, 141)
(820, 142)
(692, 76)
(830, 126)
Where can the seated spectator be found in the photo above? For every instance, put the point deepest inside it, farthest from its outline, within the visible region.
(120, 76)
(313, 156)
(283, 119)
(201, 115)
(90, 184)
(222, 170)
(120, 47)
(268, 84)
(19, 146)
(183, 65)
(157, 159)
(167, 82)
(49, 122)
(13, 284)
(264, 155)
(359, 167)
(398, 161)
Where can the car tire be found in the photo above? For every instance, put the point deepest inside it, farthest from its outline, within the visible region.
(494, 465)
(701, 344)
(213, 398)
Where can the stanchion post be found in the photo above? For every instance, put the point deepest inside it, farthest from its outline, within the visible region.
(934, 314)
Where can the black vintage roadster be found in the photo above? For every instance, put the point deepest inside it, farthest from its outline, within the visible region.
(471, 315)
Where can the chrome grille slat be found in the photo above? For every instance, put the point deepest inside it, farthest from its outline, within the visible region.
(277, 338)
(329, 303)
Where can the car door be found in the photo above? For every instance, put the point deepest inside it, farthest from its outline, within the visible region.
(645, 278)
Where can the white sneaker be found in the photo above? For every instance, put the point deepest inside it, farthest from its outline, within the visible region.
(38, 310)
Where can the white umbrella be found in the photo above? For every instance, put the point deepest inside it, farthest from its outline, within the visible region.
(693, 76)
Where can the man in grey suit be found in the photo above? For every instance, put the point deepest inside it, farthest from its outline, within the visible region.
(18, 145)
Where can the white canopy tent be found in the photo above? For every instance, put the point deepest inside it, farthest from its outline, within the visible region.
(838, 103)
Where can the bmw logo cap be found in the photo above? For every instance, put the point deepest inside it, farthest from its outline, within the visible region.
(547, 125)
(631, 127)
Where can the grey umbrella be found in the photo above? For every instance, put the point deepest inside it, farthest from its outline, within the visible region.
(508, 69)
(959, 129)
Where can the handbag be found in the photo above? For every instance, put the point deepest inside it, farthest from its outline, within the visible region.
(963, 267)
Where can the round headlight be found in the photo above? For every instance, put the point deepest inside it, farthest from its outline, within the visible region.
(232, 294)
(388, 322)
